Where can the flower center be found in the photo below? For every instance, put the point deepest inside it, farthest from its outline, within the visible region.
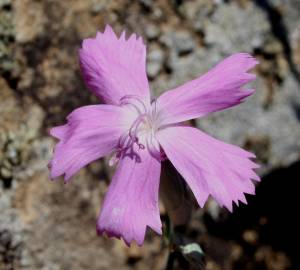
(141, 134)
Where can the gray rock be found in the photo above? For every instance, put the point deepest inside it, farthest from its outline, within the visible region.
(155, 62)
(272, 132)
(152, 31)
(182, 42)
(249, 122)
(5, 173)
(232, 28)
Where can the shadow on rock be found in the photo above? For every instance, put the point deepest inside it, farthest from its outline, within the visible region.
(271, 214)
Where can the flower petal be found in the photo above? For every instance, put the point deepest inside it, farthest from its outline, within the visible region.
(218, 89)
(91, 132)
(114, 67)
(209, 166)
(131, 203)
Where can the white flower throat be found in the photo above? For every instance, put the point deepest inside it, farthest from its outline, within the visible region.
(141, 134)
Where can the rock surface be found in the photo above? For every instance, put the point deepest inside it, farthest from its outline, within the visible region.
(46, 225)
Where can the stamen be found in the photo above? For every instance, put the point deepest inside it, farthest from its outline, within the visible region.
(141, 146)
(127, 140)
(129, 99)
(135, 126)
(146, 117)
(154, 112)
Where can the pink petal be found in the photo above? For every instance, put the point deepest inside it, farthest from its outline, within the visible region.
(131, 203)
(218, 89)
(114, 67)
(91, 132)
(209, 166)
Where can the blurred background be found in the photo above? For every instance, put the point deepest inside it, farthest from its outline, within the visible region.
(47, 225)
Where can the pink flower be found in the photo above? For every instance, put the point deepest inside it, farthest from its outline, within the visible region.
(140, 133)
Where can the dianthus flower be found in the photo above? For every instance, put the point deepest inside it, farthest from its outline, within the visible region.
(139, 133)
